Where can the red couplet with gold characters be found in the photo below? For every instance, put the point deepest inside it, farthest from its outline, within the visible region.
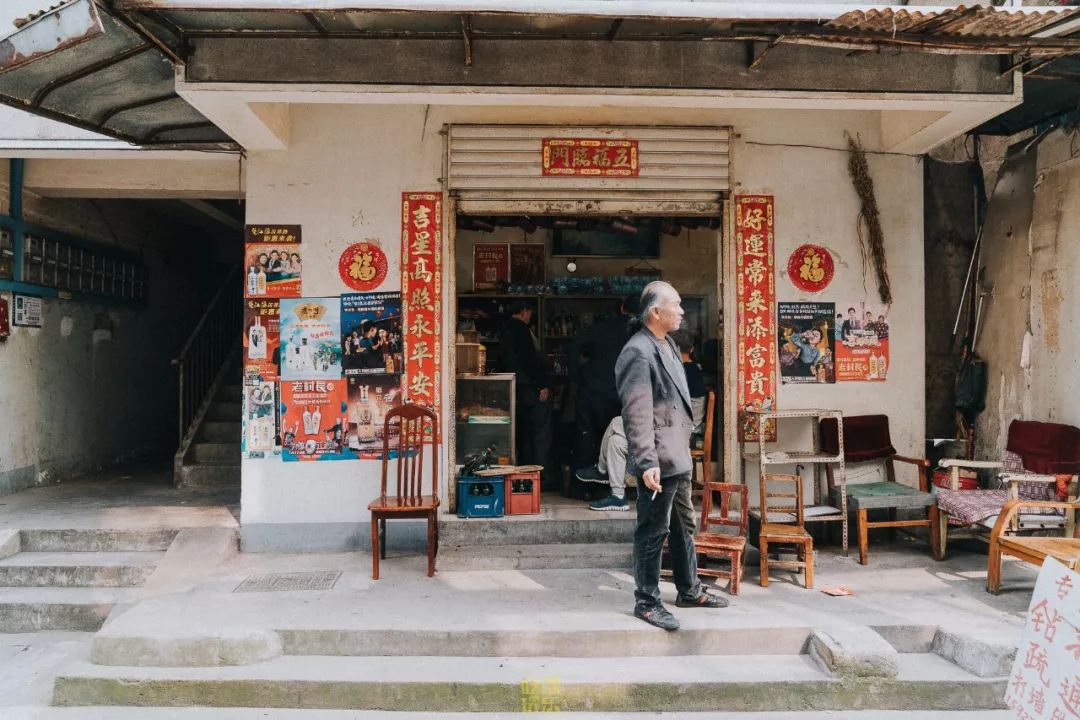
(421, 280)
(755, 289)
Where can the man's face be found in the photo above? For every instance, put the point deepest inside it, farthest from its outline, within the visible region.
(814, 337)
(669, 311)
(851, 314)
(526, 315)
(869, 317)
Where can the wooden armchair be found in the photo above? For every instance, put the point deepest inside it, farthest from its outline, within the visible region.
(414, 423)
(722, 545)
(1034, 550)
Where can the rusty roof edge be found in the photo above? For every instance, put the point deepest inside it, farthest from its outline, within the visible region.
(76, 22)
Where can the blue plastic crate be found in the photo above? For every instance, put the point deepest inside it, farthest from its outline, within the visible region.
(481, 497)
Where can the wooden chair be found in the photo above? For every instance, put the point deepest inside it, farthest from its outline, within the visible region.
(704, 453)
(784, 533)
(409, 501)
(866, 439)
(1034, 550)
(723, 545)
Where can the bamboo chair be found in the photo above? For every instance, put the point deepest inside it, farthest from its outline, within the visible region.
(784, 533)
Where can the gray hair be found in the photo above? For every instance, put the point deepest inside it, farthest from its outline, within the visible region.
(651, 296)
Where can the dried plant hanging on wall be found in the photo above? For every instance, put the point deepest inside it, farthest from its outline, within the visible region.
(872, 244)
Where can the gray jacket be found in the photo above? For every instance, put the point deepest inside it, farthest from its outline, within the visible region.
(656, 408)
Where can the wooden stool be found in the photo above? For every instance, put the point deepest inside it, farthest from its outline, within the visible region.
(784, 533)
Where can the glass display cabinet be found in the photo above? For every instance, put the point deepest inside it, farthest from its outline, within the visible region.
(485, 416)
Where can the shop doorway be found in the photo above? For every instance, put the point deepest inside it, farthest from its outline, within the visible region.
(571, 272)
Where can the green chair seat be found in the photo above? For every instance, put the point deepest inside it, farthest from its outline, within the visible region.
(870, 496)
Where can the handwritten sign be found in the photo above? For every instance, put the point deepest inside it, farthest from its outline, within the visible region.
(588, 157)
(755, 291)
(421, 280)
(1045, 678)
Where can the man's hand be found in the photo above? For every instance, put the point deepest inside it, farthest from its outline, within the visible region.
(543, 395)
(651, 478)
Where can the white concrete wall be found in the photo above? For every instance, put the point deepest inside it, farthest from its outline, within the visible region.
(342, 176)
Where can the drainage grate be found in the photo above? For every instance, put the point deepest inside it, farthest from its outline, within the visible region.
(282, 582)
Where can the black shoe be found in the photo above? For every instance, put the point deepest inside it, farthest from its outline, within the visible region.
(657, 616)
(591, 474)
(704, 600)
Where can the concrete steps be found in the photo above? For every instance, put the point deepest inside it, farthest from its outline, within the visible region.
(223, 411)
(94, 540)
(32, 609)
(78, 569)
(220, 431)
(223, 453)
(211, 476)
(555, 556)
(576, 525)
(746, 683)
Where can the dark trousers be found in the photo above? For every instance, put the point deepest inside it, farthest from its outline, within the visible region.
(591, 415)
(671, 516)
(533, 435)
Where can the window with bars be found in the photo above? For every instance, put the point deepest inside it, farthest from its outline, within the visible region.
(64, 265)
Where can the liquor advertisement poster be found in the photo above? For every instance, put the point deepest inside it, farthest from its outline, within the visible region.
(272, 261)
(862, 342)
(311, 339)
(370, 397)
(314, 414)
(421, 280)
(755, 292)
(527, 264)
(491, 265)
(371, 341)
(259, 437)
(805, 338)
(261, 340)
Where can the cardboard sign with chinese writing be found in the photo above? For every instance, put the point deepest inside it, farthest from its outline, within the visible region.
(755, 291)
(421, 283)
(272, 261)
(261, 340)
(491, 265)
(314, 417)
(1045, 678)
(862, 342)
(371, 340)
(590, 158)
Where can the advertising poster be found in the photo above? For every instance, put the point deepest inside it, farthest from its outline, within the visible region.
(27, 311)
(862, 342)
(370, 397)
(527, 264)
(805, 338)
(314, 414)
(272, 261)
(755, 291)
(371, 342)
(311, 339)
(491, 265)
(261, 341)
(421, 280)
(259, 436)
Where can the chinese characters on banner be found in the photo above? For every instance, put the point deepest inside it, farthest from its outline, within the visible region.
(755, 290)
(1045, 677)
(272, 265)
(314, 417)
(491, 265)
(421, 280)
(261, 340)
(596, 158)
(862, 342)
(363, 266)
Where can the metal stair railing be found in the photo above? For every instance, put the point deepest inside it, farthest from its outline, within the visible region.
(201, 363)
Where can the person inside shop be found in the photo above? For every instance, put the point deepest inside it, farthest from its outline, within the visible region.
(610, 467)
(657, 418)
(520, 351)
(592, 367)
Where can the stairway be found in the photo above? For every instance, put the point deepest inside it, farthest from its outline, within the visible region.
(212, 460)
(71, 579)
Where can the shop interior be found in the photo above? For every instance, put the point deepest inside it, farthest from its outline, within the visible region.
(571, 272)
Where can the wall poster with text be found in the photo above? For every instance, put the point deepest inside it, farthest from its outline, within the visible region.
(261, 340)
(272, 261)
(755, 292)
(311, 339)
(805, 340)
(421, 283)
(370, 397)
(862, 342)
(491, 266)
(371, 340)
(314, 415)
(259, 437)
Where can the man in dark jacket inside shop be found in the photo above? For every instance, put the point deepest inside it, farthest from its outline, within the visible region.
(520, 353)
(592, 366)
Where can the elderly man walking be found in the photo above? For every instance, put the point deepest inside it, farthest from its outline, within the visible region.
(657, 416)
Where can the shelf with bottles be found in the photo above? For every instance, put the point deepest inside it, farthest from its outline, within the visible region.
(485, 414)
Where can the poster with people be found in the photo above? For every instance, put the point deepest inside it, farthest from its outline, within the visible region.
(311, 339)
(313, 420)
(370, 397)
(261, 340)
(259, 435)
(371, 341)
(272, 261)
(862, 342)
(805, 342)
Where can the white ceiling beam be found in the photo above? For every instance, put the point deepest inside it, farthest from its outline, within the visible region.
(219, 216)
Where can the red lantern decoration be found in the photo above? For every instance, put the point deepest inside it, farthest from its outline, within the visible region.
(810, 268)
(363, 266)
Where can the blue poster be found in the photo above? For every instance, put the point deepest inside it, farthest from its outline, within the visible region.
(310, 339)
(371, 333)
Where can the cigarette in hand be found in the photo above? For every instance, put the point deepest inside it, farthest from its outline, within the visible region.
(654, 494)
